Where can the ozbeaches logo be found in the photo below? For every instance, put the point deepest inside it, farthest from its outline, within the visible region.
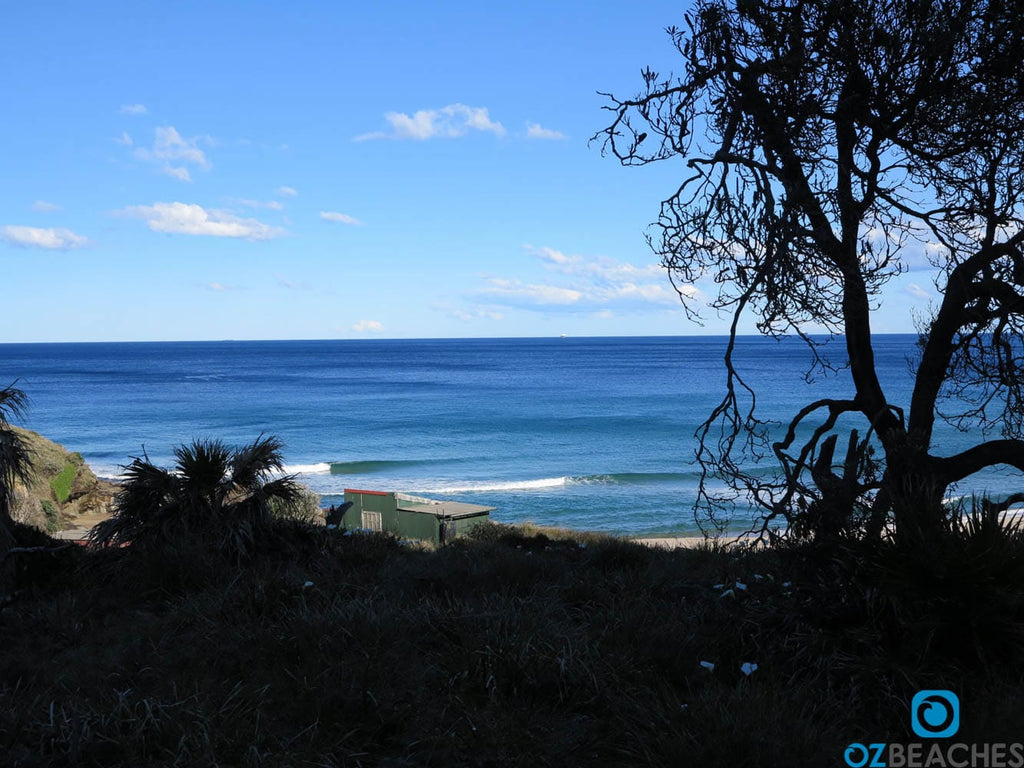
(934, 714)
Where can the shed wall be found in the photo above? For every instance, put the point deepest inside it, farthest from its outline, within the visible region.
(464, 525)
(416, 525)
(404, 523)
(384, 503)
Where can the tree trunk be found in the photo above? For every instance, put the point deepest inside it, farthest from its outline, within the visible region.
(914, 490)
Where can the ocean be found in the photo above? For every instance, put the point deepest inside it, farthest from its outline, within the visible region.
(589, 433)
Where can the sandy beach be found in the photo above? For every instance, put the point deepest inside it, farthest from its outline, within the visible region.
(671, 542)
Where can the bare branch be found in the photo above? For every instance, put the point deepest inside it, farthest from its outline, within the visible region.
(988, 454)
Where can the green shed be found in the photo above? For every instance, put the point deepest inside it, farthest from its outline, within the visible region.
(411, 517)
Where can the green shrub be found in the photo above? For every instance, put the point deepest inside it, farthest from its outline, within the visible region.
(305, 507)
(52, 516)
(61, 484)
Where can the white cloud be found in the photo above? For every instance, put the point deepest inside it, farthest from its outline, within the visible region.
(287, 191)
(534, 131)
(292, 285)
(173, 152)
(133, 109)
(650, 292)
(517, 292)
(273, 205)
(448, 122)
(50, 239)
(368, 326)
(180, 172)
(221, 287)
(587, 284)
(124, 140)
(341, 218)
(917, 291)
(472, 317)
(601, 267)
(45, 207)
(185, 219)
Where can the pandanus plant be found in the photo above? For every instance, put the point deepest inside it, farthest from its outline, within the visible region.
(15, 461)
(214, 494)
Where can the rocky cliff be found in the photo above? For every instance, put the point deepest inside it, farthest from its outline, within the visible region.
(64, 492)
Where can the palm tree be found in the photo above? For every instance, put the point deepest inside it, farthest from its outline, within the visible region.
(214, 495)
(15, 460)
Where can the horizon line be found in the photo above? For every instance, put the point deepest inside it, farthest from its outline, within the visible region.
(445, 338)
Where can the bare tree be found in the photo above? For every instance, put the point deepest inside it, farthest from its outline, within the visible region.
(825, 143)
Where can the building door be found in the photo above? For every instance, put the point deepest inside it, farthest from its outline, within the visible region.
(371, 521)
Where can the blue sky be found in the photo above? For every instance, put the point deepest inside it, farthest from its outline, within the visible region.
(256, 170)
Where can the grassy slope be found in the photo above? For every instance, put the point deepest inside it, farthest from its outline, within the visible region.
(510, 650)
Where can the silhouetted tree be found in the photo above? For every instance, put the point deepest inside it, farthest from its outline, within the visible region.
(826, 143)
(15, 461)
(214, 495)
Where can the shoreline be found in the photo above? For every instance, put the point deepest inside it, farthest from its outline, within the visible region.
(669, 542)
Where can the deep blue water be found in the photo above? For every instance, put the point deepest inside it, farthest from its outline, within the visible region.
(586, 433)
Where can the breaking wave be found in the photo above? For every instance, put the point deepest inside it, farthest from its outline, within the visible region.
(307, 469)
(500, 485)
(619, 479)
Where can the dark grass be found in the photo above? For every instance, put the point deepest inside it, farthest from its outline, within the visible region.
(518, 648)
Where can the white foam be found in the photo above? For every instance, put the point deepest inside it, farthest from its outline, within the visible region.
(500, 485)
(113, 474)
(307, 469)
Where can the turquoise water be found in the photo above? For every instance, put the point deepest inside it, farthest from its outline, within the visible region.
(585, 433)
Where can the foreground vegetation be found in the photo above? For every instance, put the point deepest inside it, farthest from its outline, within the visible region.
(518, 647)
(214, 620)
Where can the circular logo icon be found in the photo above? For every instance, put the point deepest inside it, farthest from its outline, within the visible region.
(935, 714)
